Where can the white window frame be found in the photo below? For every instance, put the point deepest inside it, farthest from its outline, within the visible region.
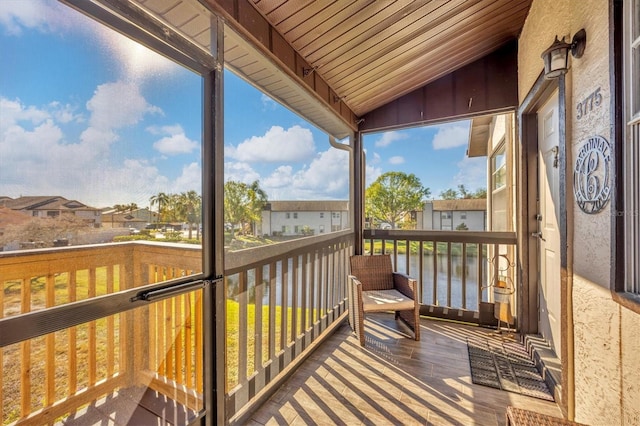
(499, 170)
(631, 151)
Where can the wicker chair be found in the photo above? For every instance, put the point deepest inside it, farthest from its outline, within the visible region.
(374, 287)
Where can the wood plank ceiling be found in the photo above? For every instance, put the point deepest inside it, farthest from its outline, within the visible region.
(371, 52)
(367, 52)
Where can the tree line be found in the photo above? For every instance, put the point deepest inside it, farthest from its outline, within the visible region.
(390, 199)
(394, 195)
(185, 207)
(243, 204)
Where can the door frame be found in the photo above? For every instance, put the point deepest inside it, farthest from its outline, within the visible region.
(540, 92)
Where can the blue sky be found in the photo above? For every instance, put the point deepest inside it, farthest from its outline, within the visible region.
(87, 114)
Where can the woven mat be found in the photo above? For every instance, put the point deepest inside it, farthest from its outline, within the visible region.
(506, 365)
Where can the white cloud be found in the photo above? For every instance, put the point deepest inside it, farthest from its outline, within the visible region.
(240, 172)
(277, 145)
(373, 159)
(281, 177)
(14, 112)
(371, 174)
(327, 173)
(64, 113)
(267, 102)
(116, 105)
(38, 158)
(190, 179)
(451, 136)
(388, 137)
(176, 142)
(472, 172)
(43, 15)
(397, 159)
(326, 177)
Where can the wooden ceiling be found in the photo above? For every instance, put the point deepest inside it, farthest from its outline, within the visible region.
(371, 52)
(334, 61)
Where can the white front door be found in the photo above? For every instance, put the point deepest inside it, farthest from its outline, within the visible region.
(548, 219)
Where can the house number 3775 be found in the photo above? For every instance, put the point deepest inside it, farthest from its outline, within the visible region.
(586, 106)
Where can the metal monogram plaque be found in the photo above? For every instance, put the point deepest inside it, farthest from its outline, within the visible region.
(591, 185)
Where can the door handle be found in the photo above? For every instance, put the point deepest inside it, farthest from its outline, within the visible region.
(538, 235)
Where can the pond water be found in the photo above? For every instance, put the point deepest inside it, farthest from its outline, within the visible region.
(427, 289)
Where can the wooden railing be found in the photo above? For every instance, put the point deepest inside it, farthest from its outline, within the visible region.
(456, 270)
(49, 377)
(280, 300)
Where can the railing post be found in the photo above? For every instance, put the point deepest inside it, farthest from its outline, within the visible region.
(129, 279)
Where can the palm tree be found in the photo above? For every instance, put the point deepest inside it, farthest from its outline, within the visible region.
(257, 201)
(161, 200)
(190, 205)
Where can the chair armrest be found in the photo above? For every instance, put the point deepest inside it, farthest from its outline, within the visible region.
(355, 289)
(405, 285)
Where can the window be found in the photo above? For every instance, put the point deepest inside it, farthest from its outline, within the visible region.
(446, 215)
(463, 215)
(322, 229)
(53, 213)
(295, 215)
(321, 215)
(288, 215)
(335, 215)
(631, 149)
(498, 169)
(296, 229)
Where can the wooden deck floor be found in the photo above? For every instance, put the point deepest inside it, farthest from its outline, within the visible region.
(393, 381)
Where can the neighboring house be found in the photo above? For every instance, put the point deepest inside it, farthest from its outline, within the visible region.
(450, 215)
(288, 218)
(138, 218)
(51, 207)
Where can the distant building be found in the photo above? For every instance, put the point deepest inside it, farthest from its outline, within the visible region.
(51, 207)
(138, 218)
(289, 218)
(451, 215)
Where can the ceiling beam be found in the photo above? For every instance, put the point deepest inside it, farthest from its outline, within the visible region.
(249, 23)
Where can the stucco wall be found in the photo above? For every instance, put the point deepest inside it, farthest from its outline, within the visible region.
(546, 19)
(606, 335)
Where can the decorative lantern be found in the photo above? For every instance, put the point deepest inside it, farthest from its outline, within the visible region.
(556, 57)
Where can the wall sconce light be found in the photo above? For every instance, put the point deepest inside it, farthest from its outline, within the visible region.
(556, 57)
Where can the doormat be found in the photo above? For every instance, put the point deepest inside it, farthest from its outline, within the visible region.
(505, 365)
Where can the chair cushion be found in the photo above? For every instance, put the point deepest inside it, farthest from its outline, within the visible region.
(385, 300)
